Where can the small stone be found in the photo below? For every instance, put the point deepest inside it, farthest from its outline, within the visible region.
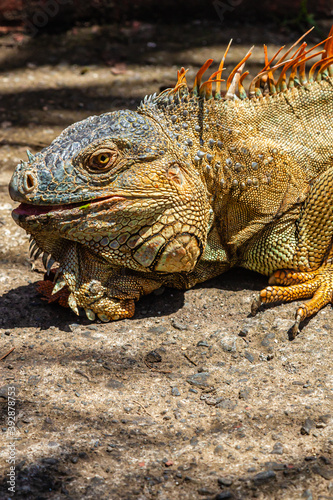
(114, 384)
(205, 492)
(227, 404)
(202, 343)
(218, 450)
(323, 472)
(264, 477)
(179, 326)
(153, 357)
(307, 494)
(168, 463)
(224, 495)
(249, 356)
(199, 379)
(244, 332)
(175, 391)
(50, 461)
(307, 426)
(277, 449)
(225, 481)
(244, 394)
(228, 344)
(325, 418)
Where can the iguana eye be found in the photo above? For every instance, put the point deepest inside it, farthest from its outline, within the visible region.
(102, 160)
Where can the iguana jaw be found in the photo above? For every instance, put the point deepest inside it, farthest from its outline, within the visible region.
(26, 212)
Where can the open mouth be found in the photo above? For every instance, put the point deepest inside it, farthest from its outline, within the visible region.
(27, 210)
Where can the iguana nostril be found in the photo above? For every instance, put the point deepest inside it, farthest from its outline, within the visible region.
(29, 182)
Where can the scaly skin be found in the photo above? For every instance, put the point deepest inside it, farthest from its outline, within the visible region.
(188, 186)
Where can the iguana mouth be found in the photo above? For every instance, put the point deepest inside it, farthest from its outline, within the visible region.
(27, 210)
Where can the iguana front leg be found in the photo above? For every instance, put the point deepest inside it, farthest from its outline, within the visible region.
(93, 285)
(312, 275)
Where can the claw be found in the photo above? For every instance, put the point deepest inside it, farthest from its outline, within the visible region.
(90, 314)
(50, 263)
(57, 273)
(72, 304)
(58, 286)
(32, 243)
(103, 318)
(45, 257)
(33, 248)
(38, 253)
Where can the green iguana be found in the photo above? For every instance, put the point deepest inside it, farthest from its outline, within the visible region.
(192, 183)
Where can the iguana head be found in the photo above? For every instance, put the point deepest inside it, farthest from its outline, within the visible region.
(112, 184)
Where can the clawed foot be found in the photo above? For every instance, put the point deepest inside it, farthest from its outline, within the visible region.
(114, 301)
(316, 285)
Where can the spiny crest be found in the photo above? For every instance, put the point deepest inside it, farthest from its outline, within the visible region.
(266, 82)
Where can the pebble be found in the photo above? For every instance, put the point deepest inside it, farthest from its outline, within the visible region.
(225, 481)
(175, 391)
(307, 426)
(218, 450)
(157, 329)
(277, 449)
(205, 492)
(178, 326)
(323, 472)
(244, 394)
(202, 343)
(153, 357)
(249, 356)
(199, 379)
(228, 344)
(224, 495)
(264, 477)
(227, 404)
(114, 384)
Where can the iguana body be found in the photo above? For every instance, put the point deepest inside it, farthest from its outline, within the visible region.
(189, 185)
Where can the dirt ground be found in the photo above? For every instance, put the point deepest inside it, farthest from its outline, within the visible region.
(192, 398)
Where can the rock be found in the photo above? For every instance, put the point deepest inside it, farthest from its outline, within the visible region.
(228, 343)
(227, 404)
(153, 357)
(175, 391)
(323, 472)
(202, 343)
(249, 356)
(277, 449)
(325, 418)
(243, 332)
(157, 329)
(199, 379)
(225, 481)
(224, 495)
(244, 394)
(307, 426)
(205, 492)
(264, 477)
(114, 384)
(218, 450)
(178, 326)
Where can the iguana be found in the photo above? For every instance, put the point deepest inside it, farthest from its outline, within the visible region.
(193, 182)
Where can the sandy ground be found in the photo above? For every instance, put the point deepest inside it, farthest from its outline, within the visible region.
(192, 398)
